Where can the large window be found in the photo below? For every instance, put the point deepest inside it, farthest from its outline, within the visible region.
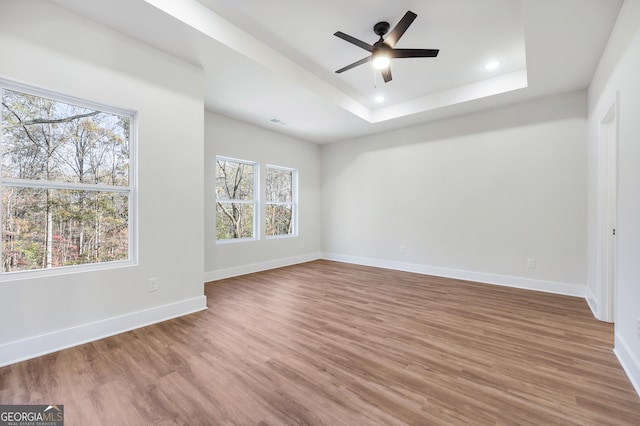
(280, 210)
(66, 181)
(238, 210)
(236, 201)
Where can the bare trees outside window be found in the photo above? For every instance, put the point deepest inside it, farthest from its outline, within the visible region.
(238, 210)
(65, 182)
(235, 199)
(279, 214)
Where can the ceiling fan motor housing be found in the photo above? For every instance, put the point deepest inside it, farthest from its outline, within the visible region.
(381, 28)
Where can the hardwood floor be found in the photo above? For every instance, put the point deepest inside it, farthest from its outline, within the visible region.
(337, 344)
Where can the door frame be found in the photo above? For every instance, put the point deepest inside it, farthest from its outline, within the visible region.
(607, 211)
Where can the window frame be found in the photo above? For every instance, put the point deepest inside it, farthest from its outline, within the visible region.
(130, 189)
(255, 202)
(293, 203)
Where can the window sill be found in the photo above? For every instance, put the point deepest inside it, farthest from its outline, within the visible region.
(65, 270)
(280, 237)
(235, 240)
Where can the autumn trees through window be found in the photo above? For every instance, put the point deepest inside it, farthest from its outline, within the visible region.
(238, 203)
(66, 181)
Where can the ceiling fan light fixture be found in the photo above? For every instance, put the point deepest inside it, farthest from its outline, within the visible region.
(381, 61)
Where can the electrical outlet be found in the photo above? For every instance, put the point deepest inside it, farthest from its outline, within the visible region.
(153, 284)
(531, 262)
(403, 249)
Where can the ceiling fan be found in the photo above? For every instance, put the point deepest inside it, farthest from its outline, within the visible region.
(382, 51)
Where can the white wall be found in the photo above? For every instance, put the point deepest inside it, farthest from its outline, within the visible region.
(45, 46)
(618, 71)
(230, 138)
(470, 197)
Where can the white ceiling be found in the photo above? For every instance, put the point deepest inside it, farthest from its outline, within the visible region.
(276, 59)
(304, 35)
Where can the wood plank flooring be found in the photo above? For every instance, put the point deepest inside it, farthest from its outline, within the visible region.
(325, 343)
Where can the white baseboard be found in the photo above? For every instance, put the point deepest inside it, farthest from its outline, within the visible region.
(592, 302)
(629, 362)
(21, 350)
(503, 280)
(257, 267)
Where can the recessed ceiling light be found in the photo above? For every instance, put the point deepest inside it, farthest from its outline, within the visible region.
(492, 65)
(379, 98)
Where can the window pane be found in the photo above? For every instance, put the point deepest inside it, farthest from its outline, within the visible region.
(234, 180)
(279, 219)
(47, 228)
(234, 220)
(46, 139)
(279, 185)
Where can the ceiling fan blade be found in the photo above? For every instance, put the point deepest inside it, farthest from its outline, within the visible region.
(353, 40)
(355, 64)
(386, 74)
(414, 53)
(399, 29)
